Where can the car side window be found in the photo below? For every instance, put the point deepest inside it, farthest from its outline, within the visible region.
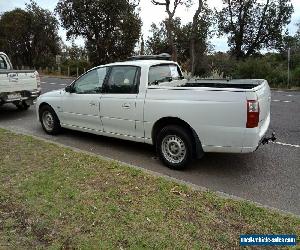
(123, 80)
(91, 82)
(3, 64)
(163, 73)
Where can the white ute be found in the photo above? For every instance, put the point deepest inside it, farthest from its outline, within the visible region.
(147, 100)
(20, 87)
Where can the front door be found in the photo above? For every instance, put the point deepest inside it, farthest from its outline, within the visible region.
(81, 108)
(118, 101)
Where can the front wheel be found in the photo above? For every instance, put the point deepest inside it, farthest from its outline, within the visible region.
(49, 120)
(174, 146)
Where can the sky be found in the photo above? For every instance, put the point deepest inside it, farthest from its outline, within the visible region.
(156, 14)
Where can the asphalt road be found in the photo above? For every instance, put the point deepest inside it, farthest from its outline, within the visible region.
(270, 176)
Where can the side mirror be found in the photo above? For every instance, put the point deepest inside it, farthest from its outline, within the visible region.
(69, 89)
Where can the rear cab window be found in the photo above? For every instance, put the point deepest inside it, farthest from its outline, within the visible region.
(163, 73)
(3, 64)
(123, 80)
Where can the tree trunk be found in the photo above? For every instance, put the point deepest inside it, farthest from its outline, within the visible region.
(193, 38)
(238, 52)
(142, 46)
(171, 38)
(193, 54)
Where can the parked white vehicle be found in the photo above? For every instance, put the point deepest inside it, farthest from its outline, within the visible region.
(149, 101)
(20, 87)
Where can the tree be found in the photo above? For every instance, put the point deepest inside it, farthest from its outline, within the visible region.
(298, 32)
(45, 42)
(158, 42)
(15, 36)
(193, 36)
(253, 25)
(74, 52)
(169, 22)
(199, 33)
(29, 36)
(111, 28)
(142, 52)
(289, 44)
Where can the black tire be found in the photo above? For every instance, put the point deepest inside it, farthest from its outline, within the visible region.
(170, 142)
(22, 106)
(52, 127)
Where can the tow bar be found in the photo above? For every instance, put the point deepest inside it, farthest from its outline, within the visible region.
(266, 140)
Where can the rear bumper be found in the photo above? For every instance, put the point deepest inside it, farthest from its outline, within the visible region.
(251, 138)
(35, 94)
(25, 95)
(254, 137)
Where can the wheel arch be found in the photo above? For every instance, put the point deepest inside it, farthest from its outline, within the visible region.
(165, 121)
(43, 104)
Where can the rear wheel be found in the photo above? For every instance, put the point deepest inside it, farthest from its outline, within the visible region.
(49, 120)
(174, 146)
(22, 106)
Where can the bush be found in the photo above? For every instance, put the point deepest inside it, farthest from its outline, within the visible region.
(271, 66)
(221, 62)
(262, 68)
(295, 77)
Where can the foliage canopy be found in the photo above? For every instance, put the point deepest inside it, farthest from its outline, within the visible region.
(29, 37)
(111, 28)
(253, 25)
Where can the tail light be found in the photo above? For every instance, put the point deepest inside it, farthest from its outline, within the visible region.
(252, 114)
(38, 79)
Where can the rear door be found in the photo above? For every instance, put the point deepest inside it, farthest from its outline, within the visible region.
(118, 101)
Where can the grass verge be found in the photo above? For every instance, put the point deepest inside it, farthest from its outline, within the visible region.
(54, 197)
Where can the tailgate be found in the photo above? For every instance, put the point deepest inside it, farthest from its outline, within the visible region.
(264, 98)
(14, 81)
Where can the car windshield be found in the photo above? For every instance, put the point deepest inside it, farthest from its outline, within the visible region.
(163, 73)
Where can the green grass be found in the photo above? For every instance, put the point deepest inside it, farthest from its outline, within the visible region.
(53, 197)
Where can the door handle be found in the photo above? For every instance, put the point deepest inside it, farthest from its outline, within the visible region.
(92, 104)
(126, 106)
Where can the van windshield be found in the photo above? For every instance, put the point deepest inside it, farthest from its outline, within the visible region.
(163, 73)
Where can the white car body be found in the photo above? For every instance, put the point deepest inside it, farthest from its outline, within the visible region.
(17, 85)
(217, 116)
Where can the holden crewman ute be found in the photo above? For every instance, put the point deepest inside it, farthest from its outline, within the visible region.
(146, 99)
(20, 87)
